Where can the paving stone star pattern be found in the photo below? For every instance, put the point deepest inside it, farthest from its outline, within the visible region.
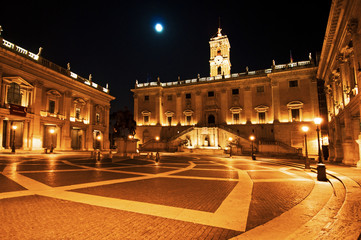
(182, 197)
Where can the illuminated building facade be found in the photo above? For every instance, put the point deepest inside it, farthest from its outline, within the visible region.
(340, 68)
(212, 112)
(43, 105)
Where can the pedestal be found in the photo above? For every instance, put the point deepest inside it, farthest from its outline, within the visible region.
(321, 172)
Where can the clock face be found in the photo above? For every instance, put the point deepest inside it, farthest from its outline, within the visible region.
(218, 60)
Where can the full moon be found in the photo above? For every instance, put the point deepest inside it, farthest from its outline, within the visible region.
(158, 27)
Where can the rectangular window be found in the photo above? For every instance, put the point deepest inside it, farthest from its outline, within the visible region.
(170, 97)
(295, 114)
(262, 117)
(169, 121)
(188, 96)
(51, 106)
(77, 113)
(97, 118)
(235, 91)
(210, 94)
(146, 119)
(189, 120)
(260, 89)
(293, 83)
(146, 98)
(235, 118)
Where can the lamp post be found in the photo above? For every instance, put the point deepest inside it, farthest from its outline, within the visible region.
(321, 168)
(14, 127)
(230, 139)
(307, 161)
(252, 138)
(157, 154)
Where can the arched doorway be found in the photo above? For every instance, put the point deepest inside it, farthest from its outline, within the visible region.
(211, 119)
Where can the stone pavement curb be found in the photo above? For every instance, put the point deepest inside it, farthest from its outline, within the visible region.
(338, 217)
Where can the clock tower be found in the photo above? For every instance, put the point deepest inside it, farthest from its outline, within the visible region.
(220, 55)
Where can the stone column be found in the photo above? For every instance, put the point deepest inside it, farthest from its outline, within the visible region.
(158, 108)
(135, 96)
(67, 108)
(1, 134)
(275, 101)
(248, 104)
(356, 41)
(26, 135)
(89, 138)
(337, 144)
(224, 106)
(348, 141)
(2, 96)
(37, 138)
(313, 99)
(178, 107)
(199, 108)
(106, 131)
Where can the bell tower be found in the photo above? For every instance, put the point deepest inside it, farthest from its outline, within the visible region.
(220, 55)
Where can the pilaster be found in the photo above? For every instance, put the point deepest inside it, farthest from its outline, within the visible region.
(275, 101)
(248, 104)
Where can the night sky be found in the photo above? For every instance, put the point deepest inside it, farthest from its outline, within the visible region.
(116, 42)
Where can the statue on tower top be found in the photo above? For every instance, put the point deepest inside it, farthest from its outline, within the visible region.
(219, 32)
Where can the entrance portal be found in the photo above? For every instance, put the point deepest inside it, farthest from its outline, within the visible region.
(76, 139)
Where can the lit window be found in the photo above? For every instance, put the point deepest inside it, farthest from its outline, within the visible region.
(14, 95)
(235, 118)
(77, 113)
(169, 121)
(262, 117)
(51, 106)
(189, 120)
(97, 118)
(295, 114)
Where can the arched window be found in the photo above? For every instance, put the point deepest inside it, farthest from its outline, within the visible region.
(14, 95)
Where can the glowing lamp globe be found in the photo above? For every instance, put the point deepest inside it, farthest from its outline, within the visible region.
(317, 120)
(158, 27)
(305, 129)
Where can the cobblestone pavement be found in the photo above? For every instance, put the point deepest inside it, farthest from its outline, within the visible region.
(182, 197)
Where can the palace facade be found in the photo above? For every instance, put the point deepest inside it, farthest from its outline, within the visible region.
(43, 105)
(226, 108)
(340, 68)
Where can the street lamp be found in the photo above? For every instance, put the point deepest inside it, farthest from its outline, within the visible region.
(252, 138)
(230, 139)
(321, 168)
(307, 161)
(157, 154)
(14, 127)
